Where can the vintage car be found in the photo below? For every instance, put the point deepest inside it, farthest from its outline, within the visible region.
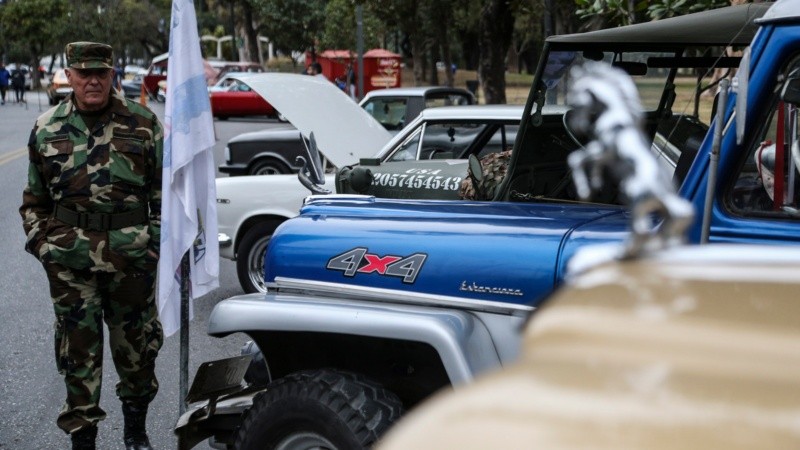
(690, 348)
(132, 87)
(250, 208)
(396, 107)
(225, 81)
(274, 150)
(223, 68)
(238, 99)
(59, 87)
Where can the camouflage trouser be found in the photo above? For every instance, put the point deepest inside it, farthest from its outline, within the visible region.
(125, 300)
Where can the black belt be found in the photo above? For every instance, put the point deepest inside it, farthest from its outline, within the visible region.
(101, 221)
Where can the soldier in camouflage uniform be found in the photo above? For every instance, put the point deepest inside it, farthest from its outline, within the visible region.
(495, 166)
(91, 211)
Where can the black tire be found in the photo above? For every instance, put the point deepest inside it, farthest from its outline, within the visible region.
(250, 256)
(222, 117)
(269, 166)
(318, 409)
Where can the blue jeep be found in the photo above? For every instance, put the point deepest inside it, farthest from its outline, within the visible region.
(376, 303)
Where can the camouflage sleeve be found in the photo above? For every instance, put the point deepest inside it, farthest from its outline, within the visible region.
(154, 197)
(37, 205)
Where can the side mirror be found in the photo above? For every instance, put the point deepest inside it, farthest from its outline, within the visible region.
(790, 93)
(475, 173)
(741, 86)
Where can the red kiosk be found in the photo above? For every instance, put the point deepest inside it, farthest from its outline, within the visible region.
(381, 67)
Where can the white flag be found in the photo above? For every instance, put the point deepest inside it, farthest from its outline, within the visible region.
(188, 208)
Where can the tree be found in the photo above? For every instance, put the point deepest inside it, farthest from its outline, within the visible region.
(291, 25)
(495, 32)
(33, 25)
(406, 16)
(133, 28)
(340, 27)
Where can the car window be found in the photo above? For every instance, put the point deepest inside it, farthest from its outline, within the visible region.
(407, 151)
(768, 182)
(501, 139)
(388, 111)
(448, 140)
(650, 84)
(433, 100)
(455, 140)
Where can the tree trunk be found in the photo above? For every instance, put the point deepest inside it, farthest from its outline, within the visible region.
(418, 58)
(434, 56)
(495, 30)
(250, 34)
(447, 56)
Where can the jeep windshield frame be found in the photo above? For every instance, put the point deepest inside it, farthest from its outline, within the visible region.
(653, 53)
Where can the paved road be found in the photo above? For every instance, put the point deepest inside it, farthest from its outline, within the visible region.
(31, 391)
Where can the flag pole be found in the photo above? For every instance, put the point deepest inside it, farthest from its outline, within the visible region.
(184, 356)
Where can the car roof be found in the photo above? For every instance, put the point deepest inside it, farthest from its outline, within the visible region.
(414, 91)
(732, 25)
(500, 112)
(234, 74)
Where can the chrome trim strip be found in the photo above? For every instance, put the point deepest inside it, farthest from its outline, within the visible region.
(396, 296)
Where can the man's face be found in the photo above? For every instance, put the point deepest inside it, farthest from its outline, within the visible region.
(91, 87)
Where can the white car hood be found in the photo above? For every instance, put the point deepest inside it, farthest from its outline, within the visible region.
(343, 130)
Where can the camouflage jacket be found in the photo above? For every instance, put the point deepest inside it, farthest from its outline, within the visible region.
(112, 168)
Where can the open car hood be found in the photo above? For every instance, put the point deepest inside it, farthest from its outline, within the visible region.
(343, 130)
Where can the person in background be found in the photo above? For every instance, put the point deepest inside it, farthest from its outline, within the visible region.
(5, 76)
(118, 76)
(91, 212)
(18, 83)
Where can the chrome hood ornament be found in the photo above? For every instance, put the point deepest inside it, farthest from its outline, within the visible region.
(606, 113)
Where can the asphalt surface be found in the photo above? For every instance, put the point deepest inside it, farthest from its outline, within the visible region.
(31, 390)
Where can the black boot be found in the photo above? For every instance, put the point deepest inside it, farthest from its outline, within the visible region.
(135, 419)
(84, 438)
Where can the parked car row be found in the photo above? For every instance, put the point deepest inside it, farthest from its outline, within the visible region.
(275, 150)
(445, 137)
(254, 206)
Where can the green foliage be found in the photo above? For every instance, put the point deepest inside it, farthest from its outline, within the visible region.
(132, 27)
(340, 26)
(33, 24)
(292, 25)
(609, 13)
(672, 8)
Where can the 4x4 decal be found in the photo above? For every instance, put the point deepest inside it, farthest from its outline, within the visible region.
(358, 260)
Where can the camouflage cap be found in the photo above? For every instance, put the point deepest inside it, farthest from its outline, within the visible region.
(89, 55)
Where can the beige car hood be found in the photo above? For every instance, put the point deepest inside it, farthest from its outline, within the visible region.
(698, 348)
(344, 132)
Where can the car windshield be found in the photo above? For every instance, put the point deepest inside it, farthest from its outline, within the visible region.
(449, 140)
(649, 80)
(388, 111)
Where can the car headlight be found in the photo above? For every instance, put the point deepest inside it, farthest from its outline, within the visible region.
(227, 154)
